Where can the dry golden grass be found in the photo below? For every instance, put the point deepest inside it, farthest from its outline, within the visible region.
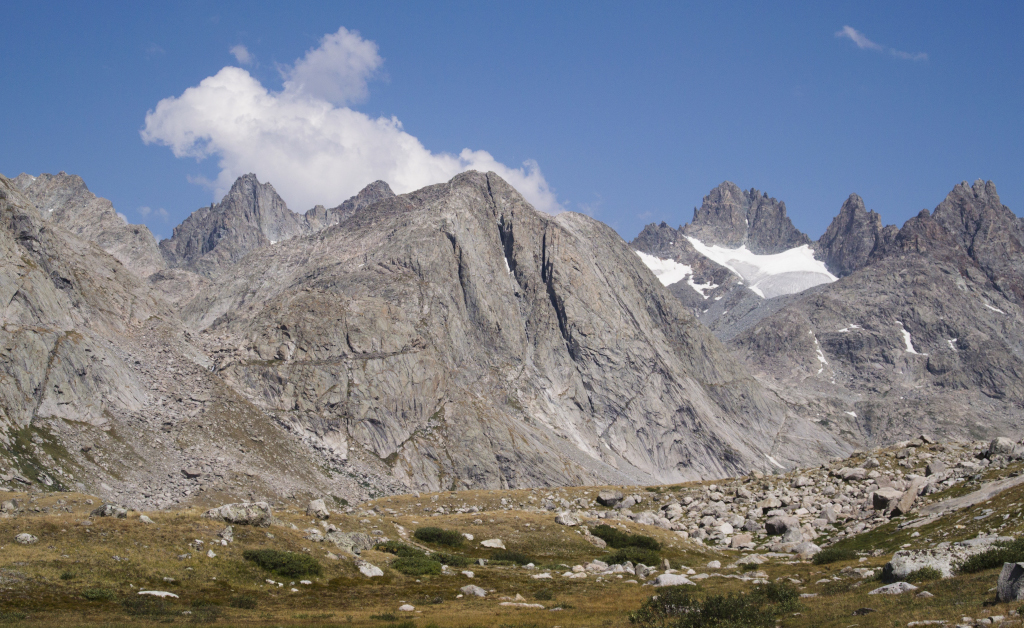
(45, 584)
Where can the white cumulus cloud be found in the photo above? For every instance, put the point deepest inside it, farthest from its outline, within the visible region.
(242, 54)
(306, 142)
(864, 43)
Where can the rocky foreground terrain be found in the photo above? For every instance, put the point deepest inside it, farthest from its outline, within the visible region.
(879, 538)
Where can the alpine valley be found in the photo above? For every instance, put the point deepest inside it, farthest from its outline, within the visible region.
(454, 338)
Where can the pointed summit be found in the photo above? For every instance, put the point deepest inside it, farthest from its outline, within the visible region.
(732, 218)
(849, 241)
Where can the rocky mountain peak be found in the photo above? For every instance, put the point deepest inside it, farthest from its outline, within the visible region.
(990, 233)
(65, 199)
(732, 218)
(852, 236)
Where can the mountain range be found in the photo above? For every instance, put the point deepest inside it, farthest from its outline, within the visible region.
(456, 338)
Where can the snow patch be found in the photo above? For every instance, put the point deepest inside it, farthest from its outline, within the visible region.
(994, 309)
(952, 343)
(853, 414)
(848, 328)
(770, 276)
(774, 461)
(907, 340)
(507, 267)
(669, 271)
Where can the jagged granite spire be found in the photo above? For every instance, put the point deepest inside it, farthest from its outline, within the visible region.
(732, 218)
(852, 236)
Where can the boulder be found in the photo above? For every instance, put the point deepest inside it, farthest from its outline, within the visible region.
(145, 519)
(26, 539)
(1011, 583)
(595, 541)
(769, 503)
(609, 498)
(472, 589)
(351, 542)
(493, 544)
(906, 501)
(935, 467)
(313, 534)
(566, 519)
(191, 472)
(885, 498)
(318, 508)
(670, 580)
(742, 540)
(1001, 446)
(893, 589)
(780, 524)
(110, 510)
(406, 608)
(853, 474)
(370, 571)
(243, 514)
(806, 550)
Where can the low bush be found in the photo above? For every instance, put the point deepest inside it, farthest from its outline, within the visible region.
(683, 607)
(439, 536)
(510, 556)
(924, 574)
(399, 549)
(97, 594)
(245, 601)
(1004, 553)
(287, 564)
(416, 566)
(204, 611)
(67, 575)
(12, 616)
(452, 560)
(619, 539)
(833, 555)
(635, 555)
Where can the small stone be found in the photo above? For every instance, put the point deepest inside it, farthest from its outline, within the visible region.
(407, 608)
(715, 564)
(370, 571)
(493, 544)
(566, 519)
(158, 593)
(924, 594)
(145, 519)
(26, 539)
(210, 554)
(468, 574)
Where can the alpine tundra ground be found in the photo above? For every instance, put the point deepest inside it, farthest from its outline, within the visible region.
(83, 569)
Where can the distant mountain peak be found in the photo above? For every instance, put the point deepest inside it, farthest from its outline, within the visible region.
(731, 217)
(852, 237)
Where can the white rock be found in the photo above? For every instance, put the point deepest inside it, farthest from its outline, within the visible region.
(26, 539)
(566, 519)
(472, 589)
(670, 580)
(493, 544)
(715, 564)
(210, 554)
(1011, 583)
(468, 574)
(145, 519)
(521, 605)
(893, 589)
(306, 582)
(469, 537)
(158, 593)
(370, 571)
(407, 608)
(541, 576)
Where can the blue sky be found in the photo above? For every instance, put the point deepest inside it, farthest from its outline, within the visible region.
(630, 112)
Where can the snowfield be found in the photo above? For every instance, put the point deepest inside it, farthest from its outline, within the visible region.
(669, 271)
(770, 276)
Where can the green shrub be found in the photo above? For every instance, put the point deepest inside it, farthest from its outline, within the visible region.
(287, 564)
(67, 575)
(510, 556)
(452, 560)
(416, 566)
(246, 601)
(204, 611)
(544, 595)
(618, 539)
(1004, 553)
(438, 536)
(97, 594)
(924, 574)
(833, 555)
(385, 617)
(635, 555)
(684, 607)
(12, 616)
(399, 549)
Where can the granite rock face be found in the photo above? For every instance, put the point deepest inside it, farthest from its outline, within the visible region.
(250, 216)
(852, 237)
(543, 342)
(65, 200)
(731, 217)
